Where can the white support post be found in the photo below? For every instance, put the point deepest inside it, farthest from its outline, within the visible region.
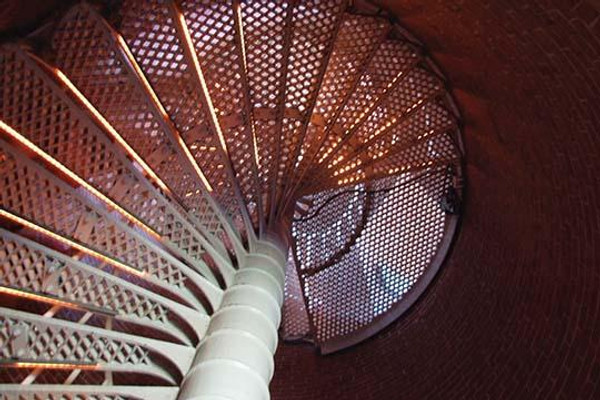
(235, 359)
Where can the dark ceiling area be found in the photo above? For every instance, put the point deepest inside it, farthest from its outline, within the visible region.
(515, 312)
(18, 18)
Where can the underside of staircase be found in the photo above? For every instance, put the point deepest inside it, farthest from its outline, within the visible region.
(185, 184)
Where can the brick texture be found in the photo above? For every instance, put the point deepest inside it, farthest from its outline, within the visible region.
(515, 312)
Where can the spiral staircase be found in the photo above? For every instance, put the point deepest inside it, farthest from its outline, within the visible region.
(186, 183)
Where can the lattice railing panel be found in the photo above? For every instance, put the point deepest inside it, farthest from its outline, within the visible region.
(151, 33)
(32, 338)
(212, 26)
(60, 128)
(31, 267)
(314, 28)
(33, 193)
(90, 53)
(402, 234)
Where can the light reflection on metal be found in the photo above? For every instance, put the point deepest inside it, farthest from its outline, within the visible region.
(192, 160)
(50, 160)
(162, 111)
(70, 243)
(50, 365)
(44, 299)
(187, 39)
(108, 127)
(237, 9)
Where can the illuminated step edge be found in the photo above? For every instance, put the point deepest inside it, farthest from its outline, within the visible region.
(34, 338)
(65, 281)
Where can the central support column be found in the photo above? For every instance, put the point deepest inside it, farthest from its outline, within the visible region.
(234, 361)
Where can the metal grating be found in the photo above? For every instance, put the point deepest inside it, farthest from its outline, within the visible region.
(91, 54)
(314, 28)
(212, 27)
(402, 233)
(390, 61)
(40, 340)
(35, 195)
(335, 220)
(150, 29)
(52, 121)
(31, 267)
(357, 40)
(296, 323)
(267, 31)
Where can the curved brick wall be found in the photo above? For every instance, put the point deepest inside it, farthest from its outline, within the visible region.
(515, 313)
